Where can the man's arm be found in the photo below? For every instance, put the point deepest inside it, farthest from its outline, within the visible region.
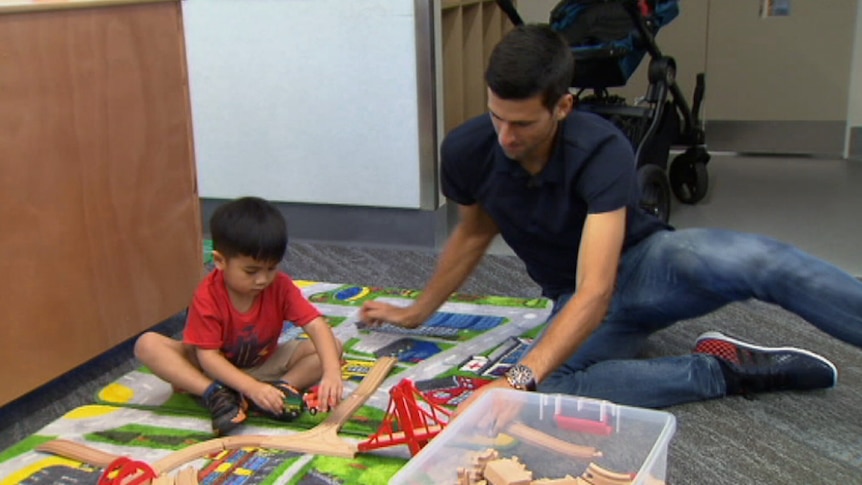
(459, 258)
(598, 261)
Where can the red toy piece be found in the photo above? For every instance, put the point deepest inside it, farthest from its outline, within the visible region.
(311, 400)
(407, 421)
(602, 428)
(123, 469)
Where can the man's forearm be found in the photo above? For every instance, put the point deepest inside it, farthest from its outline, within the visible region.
(459, 258)
(566, 333)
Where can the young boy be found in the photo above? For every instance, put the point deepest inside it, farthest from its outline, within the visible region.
(230, 351)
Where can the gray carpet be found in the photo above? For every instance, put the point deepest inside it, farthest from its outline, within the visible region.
(782, 438)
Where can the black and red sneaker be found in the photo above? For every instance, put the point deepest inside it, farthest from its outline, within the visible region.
(228, 407)
(750, 368)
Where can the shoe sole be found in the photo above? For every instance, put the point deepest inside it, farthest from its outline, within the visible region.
(721, 336)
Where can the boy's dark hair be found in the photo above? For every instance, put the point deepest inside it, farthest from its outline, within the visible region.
(251, 227)
(531, 59)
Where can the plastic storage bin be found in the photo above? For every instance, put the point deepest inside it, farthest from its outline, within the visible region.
(552, 436)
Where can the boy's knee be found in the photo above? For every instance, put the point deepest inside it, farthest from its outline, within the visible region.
(143, 345)
(150, 345)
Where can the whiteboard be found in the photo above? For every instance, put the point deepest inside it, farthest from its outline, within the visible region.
(306, 101)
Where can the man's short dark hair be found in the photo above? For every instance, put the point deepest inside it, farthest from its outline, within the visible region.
(251, 227)
(530, 60)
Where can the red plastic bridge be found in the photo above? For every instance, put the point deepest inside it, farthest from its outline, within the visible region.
(407, 421)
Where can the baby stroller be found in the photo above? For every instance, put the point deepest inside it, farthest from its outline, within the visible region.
(609, 38)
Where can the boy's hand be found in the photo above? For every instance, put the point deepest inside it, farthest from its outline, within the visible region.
(267, 397)
(377, 313)
(329, 391)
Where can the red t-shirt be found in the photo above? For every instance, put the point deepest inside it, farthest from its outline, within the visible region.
(245, 339)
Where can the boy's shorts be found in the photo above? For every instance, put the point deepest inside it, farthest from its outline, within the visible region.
(275, 367)
(272, 369)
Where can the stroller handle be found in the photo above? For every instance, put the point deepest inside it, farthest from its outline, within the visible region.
(509, 9)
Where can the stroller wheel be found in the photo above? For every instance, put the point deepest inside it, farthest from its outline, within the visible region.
(655, 191)
(689, 178)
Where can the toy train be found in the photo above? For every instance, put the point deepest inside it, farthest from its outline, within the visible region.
(297, 402)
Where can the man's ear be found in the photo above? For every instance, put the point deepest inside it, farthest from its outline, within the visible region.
(219, 260)
(564, 106)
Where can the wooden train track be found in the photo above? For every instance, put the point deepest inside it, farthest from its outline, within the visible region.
(78, 452)
(323, 439)
(488, 467)
(548, 442)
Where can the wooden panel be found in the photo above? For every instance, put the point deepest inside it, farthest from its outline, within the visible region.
(7, 6)
(492, 28)
(506, 25)
(98, 203)
(471, 29)
(453, 89)
(473, 65)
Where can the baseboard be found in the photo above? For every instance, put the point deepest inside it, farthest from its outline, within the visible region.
(854, 149)
(357, 225)
(818, 138)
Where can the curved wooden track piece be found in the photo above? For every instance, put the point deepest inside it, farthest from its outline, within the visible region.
(187, 476)
(597, 475)
(77, 451)
(605, 473)
(163, 480)
(548, 442)
(323, 439)
(204, 448)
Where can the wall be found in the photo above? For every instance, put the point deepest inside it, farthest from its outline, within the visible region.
(307, 101)
(536, 10)
(854, 109)
(334, 108)
(780, 68)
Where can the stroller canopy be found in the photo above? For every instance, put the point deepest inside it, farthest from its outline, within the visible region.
(603, 32)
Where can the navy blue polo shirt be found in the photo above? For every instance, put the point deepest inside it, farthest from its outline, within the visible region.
(591, 170)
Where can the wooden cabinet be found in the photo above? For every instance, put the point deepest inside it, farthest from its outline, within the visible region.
(470, 30)
(100, 232)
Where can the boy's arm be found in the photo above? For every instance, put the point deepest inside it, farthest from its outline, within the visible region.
(331, 385)
(215, 365)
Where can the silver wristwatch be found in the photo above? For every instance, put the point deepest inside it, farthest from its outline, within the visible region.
(521, 377)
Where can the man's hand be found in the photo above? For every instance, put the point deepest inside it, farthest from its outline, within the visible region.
(267, 397)
(500, 413)
(377, 313)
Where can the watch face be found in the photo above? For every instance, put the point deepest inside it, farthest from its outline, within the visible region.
(521, 377)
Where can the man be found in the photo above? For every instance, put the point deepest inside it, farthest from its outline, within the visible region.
(560, 187)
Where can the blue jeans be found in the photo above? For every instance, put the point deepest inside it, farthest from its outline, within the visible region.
(676, 275)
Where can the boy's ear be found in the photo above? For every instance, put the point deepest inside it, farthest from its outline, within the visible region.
(219, 260)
